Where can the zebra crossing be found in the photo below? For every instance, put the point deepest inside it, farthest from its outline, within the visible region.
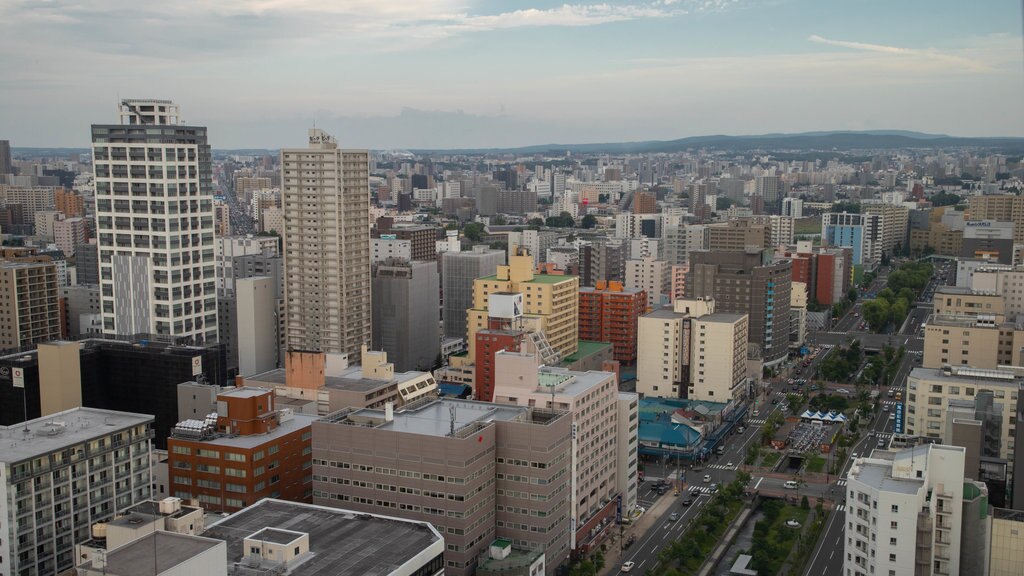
(756, 421)
(841, 482)
(721, 467)
(701, 489)
(840, 507)
(883, 435)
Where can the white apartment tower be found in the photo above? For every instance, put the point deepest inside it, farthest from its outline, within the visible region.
(154, 220)
(326, 198)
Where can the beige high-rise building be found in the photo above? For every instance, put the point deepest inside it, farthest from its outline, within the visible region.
(29, 303)
(1000, 208)
(971, 328)
(895, 220)
(326, 196)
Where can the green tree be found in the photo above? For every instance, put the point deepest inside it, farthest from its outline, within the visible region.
(474, 231)
(723, 203)
(536, 222)
(804, 503)
(498, 220)
(563, 220)
(589, 221)
(852, 295)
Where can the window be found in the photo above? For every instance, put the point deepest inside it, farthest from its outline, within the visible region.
(895, 509)
(182, 450)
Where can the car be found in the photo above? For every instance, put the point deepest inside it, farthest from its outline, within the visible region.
(628, 566)
(854, 455)
(885, 408)
(757, 413)
(629, 541)
(673, 517)
(740, 430)
(707, 478)
(791, 485)
(775, 400)
(695, 492)
(792, 523)
(687, 501)
(729, 465)
(713, 488)
(662, 490)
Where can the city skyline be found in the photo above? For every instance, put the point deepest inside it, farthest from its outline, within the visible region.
(457, 73)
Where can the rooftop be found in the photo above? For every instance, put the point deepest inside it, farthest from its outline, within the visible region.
(341, 542)
(293, 424)
(968, 376)
(586, 349)
(350, 379)
(878, 475)
(61, 430)
(152, 554)
(724, 317)
(539, 278)
(244, 392)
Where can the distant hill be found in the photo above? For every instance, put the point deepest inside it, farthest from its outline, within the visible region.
(827, 141)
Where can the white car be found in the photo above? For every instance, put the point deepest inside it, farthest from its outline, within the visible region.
(707, 478)
(628, 566)
(792, 523)
(729, 465)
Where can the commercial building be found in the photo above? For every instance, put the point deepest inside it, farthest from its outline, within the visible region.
(780, 229)
(739, 235)
(61, 474)
(861, 233)
(825, 271)
(644, 203)
(477, 471)
(245, 451)
(609, 313)
(136, 375)
(692, 352)
(1007, 537)
(406, 302)
(970, 328)
(87, 263)
(989, 240)
(30, 304)
(154, 223)
(227, 249)
(81, 309)
(793, 207)
(1003, 208)
(748, 283)
(894, 221)
(603, 259)
(422, 239)
(914, 512)
(1004, 281)
(650, 276)
(550, 302)
(326, 199)
(459, 270)
(592, 399)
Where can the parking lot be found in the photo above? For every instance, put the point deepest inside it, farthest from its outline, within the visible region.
(808, 437)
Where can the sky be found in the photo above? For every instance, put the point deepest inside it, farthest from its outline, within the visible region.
(396, 74)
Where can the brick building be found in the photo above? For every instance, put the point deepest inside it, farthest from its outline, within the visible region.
(609, 313)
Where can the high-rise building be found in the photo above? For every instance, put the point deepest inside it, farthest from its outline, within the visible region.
(484, 501)
(988, 240)
(326, 196)
(5, 157)
(87, 263)
(609, 313)
(69, 203)
(68, 234)
(739, 235)
(29, 303)
(1003, 208)
(793, 207)
(645, 203)
(780, 229)
(970, 328)
(914, 512)
(422, 239)
(894, 221)
(650, 276)
(221, 218)
(154, 222)
(825, 271)
(458, 272)
(405, 313)
(770, 189)
(747, 283)
(67, 472)
(862, 233)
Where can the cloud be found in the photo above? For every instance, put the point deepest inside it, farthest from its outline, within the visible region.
(899, 51)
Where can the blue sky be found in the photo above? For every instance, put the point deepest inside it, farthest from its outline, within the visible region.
(453, 73)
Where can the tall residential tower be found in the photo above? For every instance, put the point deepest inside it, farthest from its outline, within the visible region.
(154, 219)
(326, 197)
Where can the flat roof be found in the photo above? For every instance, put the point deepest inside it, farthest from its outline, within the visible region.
(585, 349)
(153, 554)
(342, 542)
(968, 376)
(878, 475)
(350, 379)
(538, 278)
(294, 424)
(61, 430)
(245, 391)
(276, 536)
(434, 419)
(666, 313)
(725, 317)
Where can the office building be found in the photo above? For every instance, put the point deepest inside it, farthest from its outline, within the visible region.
(650, 276)
(971, 328)
(679, 241)
(591, 398)
(245, 451)
(406, 474)
(61, 474)
(382, 249)
(154, 223)
(257, 328)
(894, 221)
(609, 313)
(326, 196)
(793, 207)
(405, 313)
(1004, 281)
(603, 259)
(780, 229)
(81, 308)
(739, 235)
(87, 263)
(1003, 208)
(862, 233)
(68, 234)
(422, 239)
(645, 203)
(5, 157)
(30, 310)
(675, 360)
(247, 186)
(69, 203)
(914, 512)
(459, 270)
(988, 240)
(134, 375)
(32, 199)
(550, 302)
(825, 271)
(747, 283)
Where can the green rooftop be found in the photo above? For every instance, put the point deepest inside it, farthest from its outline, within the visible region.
(586, 348)
(538, 278)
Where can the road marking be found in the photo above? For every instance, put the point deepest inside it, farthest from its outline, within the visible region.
(759, 479)
(654, 549)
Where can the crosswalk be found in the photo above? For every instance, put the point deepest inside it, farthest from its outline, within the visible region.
(756, 421)
(883, 435)
(701, 489)
(840, 507)
(890, 403)
(721, 467)
(841, 482)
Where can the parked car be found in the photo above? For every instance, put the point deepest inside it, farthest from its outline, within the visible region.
(791, 485)
(792, 523)
(628, 566)
(687, 501)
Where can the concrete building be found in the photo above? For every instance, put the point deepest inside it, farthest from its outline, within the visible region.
(81, 309)
(87, 263)
(422, 239)
(326, 198)
(793, 207)
(257, 326)
(969, 328)
(5, 157)
(862, 233)
(747, 283)
(459, 270)
(739, 235)
(227, 248)
(156, 274)
(609, 313)
(221, 218)
(1003, 208)
(894, 221)
(406, 300)
(644, 203)
(67, 472)
(44, 221)
(769, 187)
(989, 240)
(681, 240)
(550, 303)
(603, 259)
(388, 248)
(651, 277)
(677, 282)
(1004, 281)
(467, 467)
(913, 512)
(1007, 537)
(825, 271)
(68, 234)
(591, 398)
(780, 229)
(675, 360)
(246, 451)
(30, 310)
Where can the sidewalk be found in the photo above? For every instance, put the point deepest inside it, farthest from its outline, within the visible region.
(639, 528)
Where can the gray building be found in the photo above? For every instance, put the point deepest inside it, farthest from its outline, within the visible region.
(988, 239)
(63, 473)
(87, 263)
(5, 157)
(82, 310)
(458, 271)
(747, 282)
(603, 259)
(406, 298)
(251, 266)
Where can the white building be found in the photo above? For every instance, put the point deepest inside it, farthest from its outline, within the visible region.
(326, 196)
(68, 233)
(63, 473)
(387, 247)
(154, 222)
(913, 512)
(650, 275)
(228, 247)
(793, 207)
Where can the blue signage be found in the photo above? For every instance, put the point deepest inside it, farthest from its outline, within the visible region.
(897, 426)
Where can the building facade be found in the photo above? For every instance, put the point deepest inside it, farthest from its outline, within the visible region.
(459, 270)
(862, 233)
(30, 305)
(405, 313)
(609, 312)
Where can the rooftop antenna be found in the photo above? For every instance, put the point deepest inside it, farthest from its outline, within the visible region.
(451, 414)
